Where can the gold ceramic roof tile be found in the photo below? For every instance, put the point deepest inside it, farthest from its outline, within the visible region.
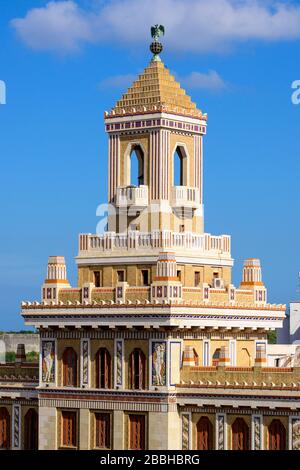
(155, 89)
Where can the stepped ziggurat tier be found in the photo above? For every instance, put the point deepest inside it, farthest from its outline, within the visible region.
(156, 90)
(154, 347)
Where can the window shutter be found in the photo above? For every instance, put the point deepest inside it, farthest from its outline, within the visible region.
(4, 429)
(103, 430)
(69, 428)
(132, 371)
(205, 434)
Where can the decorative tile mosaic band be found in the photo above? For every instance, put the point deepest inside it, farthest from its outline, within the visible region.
(185, 431)
(48, 361)
(296, 434)
(16, 427)
(85, 362)
(257, 435)
(159, 363)
(119, 362)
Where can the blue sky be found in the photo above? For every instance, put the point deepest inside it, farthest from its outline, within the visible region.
(65, 62)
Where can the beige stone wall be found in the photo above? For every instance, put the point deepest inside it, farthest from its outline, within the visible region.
(48, 428)
(107, 276)
(83, 275)
(139, 294)
(256, 374)
(133, 276)
(105, 294)
(158, 431)
(245, 350)
(164, 431)
(69, 295)
(242, 297)
(119, 430)
(245, 353)
(192, 294)
(84, 429)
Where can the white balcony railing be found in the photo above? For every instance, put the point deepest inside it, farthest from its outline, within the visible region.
(204, 244)
(184, 196)
(132, 196)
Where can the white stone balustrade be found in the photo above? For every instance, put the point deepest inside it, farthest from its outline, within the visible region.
(132, 196)
(200, 244)
(184, 196)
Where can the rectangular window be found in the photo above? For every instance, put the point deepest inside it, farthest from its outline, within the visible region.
(145, 277)
(137, 438)
(121, 276)
(197, 278)
(97, 279)
(206, 353)
(181, 228)
(179, 275)
(69, 432)
(103, 430)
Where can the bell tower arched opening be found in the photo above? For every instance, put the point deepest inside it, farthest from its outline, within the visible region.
(137, 166)
(180, 167)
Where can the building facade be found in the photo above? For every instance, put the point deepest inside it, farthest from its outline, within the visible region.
(155, 348)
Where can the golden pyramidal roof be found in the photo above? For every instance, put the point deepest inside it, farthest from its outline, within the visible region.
(156, 90)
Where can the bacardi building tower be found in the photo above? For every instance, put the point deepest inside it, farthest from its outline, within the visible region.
(155, 348)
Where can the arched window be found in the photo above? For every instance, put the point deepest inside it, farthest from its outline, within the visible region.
(179, 167)
(103, 368)
(31, 430)
(277, 435)
(137, 361)
(240, 435)
(4, 429)
(204, 434)
(136, 166)
(69, 368)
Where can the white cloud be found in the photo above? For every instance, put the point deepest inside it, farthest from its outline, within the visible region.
(118, 81)
(59, 26)
(204, 81)
(194, 25)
